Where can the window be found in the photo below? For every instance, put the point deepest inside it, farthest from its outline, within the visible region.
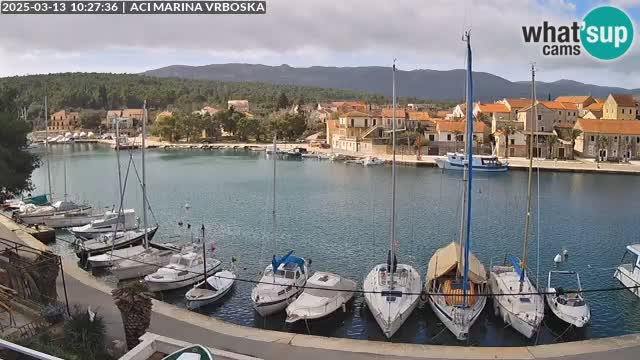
(623, 111)
(516, 111)
(638, 140)
(352, 121)
(374, 122)
(559, 112)
(542, 129)
(539, 117)
(513, 141)
(366, 122)
(448, 137)
(593, 138)
(432, 137)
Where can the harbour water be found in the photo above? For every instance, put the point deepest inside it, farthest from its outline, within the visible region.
(338, 215)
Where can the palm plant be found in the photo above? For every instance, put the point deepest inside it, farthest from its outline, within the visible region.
(134, 303)
(551, 141)
(573, 135)
(603, 144)
(507, 131)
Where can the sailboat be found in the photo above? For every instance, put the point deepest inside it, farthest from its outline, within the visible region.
(392, 290)
(155, 256)
(282, 280)
(515, 298)
(109, 222)
(455, 276)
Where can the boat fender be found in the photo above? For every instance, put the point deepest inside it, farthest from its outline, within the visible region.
(557, 259)
(344, 308)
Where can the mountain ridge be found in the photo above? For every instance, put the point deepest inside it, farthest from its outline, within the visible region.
(416, 83)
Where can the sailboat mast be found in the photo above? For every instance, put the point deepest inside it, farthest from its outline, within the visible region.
(274, 153)
(469, 169)
(144, 179)
(64, 166)
(46, 145)
(534, 120)
(118, 158)
(204, 260)
(393, 179)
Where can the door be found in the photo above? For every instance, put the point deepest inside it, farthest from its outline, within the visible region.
(561, 153)
(512, 152)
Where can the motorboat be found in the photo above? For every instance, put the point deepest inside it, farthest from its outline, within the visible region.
(109, 222)
(112, 241)
(144, 263)
(516, 300)
(193, 352)
(113, 257)
(445, 288)
(568, 305)
(628, 272)
(71, 219)
(324, 294)
(486, 163)
(31, 214)
(372, 161)
(212, 290)
(280, 284)
(184, 269)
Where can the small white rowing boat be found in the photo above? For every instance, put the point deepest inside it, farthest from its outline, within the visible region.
(209, 292)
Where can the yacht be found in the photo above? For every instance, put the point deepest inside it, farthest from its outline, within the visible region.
(112, 241)
(145, 262)
(372, 161)
(71, 219)
(281, 283)
(183, 270)
(487, 163)
(324, 294)
(30, 214)
(392, 290)
(113, 257)
(445, 276)
(569, 307)
(110, 222)
(628, 272)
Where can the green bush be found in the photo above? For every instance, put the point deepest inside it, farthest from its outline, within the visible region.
(85, 336)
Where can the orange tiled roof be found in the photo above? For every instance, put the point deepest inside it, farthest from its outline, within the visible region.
(388, 112)
(133, 113)
(580, 99)
(518, 103)
(597, 106)
(621, 127)
(355, 114)
(419, 115)
(460, 126)
(553, 105)
(494, 108)
(569, 105)
(442, 113)
(624, 100)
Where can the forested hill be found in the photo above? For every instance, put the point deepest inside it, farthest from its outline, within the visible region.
(113, 91)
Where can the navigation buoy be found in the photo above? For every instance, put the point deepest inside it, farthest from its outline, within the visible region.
(187, 206)
(557, 259)
(565, 253)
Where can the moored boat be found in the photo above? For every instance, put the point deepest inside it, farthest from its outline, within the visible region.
(72, 219)
(210, 291)
(183, 270)
(107, 223)
(280, 284)
(324, 294)
(628, 272)
(193, 352)
(571, 306)
(113, 257)
(112, 241)
(486, 163)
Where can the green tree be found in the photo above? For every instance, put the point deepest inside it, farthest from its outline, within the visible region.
(551, 140)
(573, 135)
(283, 101)
(91, 119)
(507, 131)
(247, 127)
(166, 127)
(16, 164)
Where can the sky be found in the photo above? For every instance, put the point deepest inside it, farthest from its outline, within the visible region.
(421, 34)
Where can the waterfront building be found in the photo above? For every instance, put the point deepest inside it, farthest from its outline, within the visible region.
(620, 107)
(450, 137)
(357, 132)
(581, 102)
(550, 114)
(419, 120)
(64, 121)
(608, 139)
(517, 143)
(498, 114)
(130, 120)
(238, 105)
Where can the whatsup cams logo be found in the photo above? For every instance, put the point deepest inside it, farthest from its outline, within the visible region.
(606, 33)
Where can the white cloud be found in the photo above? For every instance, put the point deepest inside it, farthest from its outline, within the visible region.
(422, 34)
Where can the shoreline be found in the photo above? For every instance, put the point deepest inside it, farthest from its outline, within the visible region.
(579, 165)
(172, 321)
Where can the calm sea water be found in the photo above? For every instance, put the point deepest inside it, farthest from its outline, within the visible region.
(339, 216)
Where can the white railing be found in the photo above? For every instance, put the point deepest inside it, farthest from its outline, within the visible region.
(26, 351)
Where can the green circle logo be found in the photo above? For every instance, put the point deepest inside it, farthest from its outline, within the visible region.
(606, 33)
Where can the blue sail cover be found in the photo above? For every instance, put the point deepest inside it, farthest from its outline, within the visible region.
(516, 265)
(287, 259)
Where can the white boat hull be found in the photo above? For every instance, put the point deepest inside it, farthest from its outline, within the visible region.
(447, 165)
(577, 316)
(458, 320)
(629, 276)
(158, 286)
(115, 257)
(275, 306)
(227, 281)
(70, 221)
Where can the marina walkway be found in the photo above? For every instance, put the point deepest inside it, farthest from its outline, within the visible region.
(168, 320)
